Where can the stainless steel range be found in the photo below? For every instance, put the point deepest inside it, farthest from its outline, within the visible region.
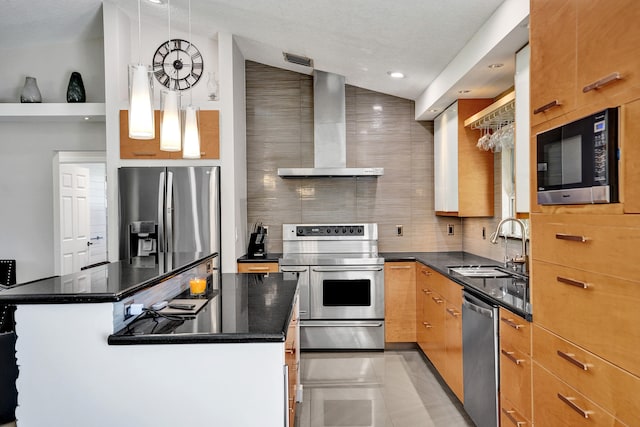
(341, 281)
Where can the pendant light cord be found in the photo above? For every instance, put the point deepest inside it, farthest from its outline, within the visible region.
(190, 88)
(139, 36)
(169, 42)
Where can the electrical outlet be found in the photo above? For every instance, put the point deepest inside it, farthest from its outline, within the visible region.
(450, 229)
(127, 310)
(399, 230)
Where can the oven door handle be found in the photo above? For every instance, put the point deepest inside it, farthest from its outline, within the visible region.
(293, 269)
(318, 324)
(343, 269)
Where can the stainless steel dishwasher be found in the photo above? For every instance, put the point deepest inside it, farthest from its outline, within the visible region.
(480, 360)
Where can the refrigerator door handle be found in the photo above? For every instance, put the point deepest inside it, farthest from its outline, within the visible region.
(161, 191)
(169, 224)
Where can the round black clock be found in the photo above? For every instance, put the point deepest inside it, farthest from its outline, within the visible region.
(177, 64)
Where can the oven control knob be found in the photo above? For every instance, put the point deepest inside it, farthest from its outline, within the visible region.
(359, 231)
(344, 230)
(335, 230)
(328, 231)
(351, 230)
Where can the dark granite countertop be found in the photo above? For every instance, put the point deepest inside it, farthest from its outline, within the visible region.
(105, 283)
(244, 308)
(509, 293)
(270, 257)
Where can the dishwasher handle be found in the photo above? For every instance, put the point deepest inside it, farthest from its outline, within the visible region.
(486, 312)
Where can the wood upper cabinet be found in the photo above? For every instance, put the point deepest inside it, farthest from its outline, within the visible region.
(608, 46)
(584, 55)
(463, 173)
(150, 148)
(552, 39)
(400, 301)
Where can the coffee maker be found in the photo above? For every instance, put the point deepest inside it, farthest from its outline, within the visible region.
(257, 242)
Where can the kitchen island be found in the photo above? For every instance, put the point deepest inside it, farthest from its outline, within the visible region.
(84, 361)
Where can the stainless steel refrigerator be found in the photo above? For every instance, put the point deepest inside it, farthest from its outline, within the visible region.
(169, 209)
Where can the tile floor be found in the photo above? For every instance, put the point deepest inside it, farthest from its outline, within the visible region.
(375, 389)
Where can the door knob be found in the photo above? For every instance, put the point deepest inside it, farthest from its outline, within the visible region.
(89, 243)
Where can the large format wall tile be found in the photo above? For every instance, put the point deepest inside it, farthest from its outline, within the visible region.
(381, 132)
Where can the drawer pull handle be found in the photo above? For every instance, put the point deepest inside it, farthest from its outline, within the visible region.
(545, 107)
(509, 415)
(569, 401)
(602, 82)
(576, 283)
(290, 350)
(398, 267)
(427, 291)
(138, 154)
(570, 357)
(427, 325)
(509, 355)
(571, 237)
(453, 312)
(437, 300)
(258, 268)
(511, 323)
(426, 272)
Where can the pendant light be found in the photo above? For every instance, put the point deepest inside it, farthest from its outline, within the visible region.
(170, 132)
(141, 120)
(191, 135)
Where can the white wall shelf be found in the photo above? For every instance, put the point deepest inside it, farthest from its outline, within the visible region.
(53, 111)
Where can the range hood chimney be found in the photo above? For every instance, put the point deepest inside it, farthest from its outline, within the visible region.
(329, 133)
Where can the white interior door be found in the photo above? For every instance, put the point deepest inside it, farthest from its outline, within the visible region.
(74, 218)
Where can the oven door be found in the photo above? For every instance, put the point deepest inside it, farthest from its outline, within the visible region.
(346, 292)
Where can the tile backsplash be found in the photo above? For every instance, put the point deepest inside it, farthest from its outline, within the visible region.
(280, 134)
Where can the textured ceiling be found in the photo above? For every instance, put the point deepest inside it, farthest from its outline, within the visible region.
(361, 39)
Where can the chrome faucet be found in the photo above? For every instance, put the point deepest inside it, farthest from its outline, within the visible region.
(522, 258)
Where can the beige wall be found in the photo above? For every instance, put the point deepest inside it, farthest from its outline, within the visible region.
(280, 134)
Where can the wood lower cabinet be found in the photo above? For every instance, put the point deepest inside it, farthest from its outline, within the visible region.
(292, 360)
(605, 384)
(150, 148)
(258, 267)
(515, 370)
(559, 405)
(439, 324)
(400, 301)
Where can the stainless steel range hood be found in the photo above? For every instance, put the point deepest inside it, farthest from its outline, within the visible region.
(330, 136)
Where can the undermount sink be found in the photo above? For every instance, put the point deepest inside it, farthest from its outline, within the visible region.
(479, 271)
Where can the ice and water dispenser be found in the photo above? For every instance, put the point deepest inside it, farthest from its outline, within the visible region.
(143, 238)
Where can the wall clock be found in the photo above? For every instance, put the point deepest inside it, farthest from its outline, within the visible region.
(177, 64)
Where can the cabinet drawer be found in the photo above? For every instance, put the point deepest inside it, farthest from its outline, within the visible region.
(510, 417)
(558, 405)
(257, 267)
(515, 379)
(599, 243)
(515, 331)
(612, 388)
(603, 317)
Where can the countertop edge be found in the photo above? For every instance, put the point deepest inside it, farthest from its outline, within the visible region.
(421, 257)
(86, 298)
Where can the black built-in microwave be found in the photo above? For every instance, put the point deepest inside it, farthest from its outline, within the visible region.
(578, 161)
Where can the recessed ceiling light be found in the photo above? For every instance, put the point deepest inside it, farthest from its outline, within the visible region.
(492, 66)
(377, 107)
(463, 91)
(433, 110)
(396, 74)
(155, 1)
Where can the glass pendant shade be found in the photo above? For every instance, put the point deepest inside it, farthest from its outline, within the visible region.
(191, 138)
(170, 130)
(141, 121)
